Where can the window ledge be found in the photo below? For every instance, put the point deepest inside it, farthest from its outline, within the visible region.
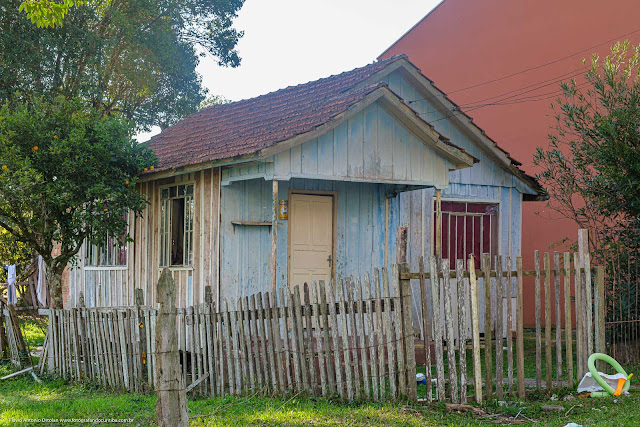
(178, 268)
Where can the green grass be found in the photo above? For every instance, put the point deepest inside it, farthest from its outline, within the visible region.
(34, 328)
(22, 398)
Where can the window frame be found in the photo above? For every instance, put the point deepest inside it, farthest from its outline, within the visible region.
(165, 227)
(89, 246)
(497, 203)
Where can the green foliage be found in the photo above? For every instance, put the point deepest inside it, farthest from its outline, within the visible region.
(15, 252)
(212, 100)
(66, 173)
(592, 166)
(592, 171)
(135, 58)
(47, 13)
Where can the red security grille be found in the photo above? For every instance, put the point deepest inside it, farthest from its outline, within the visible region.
(468, 228)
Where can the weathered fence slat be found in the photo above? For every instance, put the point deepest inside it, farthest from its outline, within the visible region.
(488, 325)
(244, 351)
(255, 337)
(462, 328)
(294, 341)
(568, 329)
(362, 334)
(304, 372)
(556, 285)
(520, 329)
(326, 337)
(438, 330)
(336, 342)
(285, 339)
(262, 334)
(277, 342)
(509, 328)
(227, 345)
(406, 301)
(345, 340)
(389, 334)
(450, 332)
(309, 344)
(475, 330)
(352, 336)
(380, 333)
(319, 327)
(426, 328)
(369, 305)
(499, 329)
(538, 324)
(547, 320)
(579, 315)
(399, 332)
(270, 341)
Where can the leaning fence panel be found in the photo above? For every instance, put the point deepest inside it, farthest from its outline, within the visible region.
(323, 342)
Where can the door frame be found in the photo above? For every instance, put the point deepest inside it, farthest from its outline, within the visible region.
(334, 200)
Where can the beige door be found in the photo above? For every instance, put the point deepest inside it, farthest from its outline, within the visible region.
(311, 238)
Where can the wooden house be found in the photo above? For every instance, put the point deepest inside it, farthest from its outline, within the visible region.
(307, 183)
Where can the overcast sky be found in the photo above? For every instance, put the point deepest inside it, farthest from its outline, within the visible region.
(287, 42)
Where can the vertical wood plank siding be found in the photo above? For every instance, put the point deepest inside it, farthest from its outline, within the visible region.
(114, 286)
(359, 221)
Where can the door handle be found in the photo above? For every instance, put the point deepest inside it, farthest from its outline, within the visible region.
(330, 259)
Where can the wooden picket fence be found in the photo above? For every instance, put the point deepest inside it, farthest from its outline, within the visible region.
(356, 340)
(495, 285)
(353, 341)
(11, 341)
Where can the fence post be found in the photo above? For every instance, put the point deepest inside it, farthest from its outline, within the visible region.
(171, 406)
(585, 261)
(600, 312)
(408, 334)
(139, 301)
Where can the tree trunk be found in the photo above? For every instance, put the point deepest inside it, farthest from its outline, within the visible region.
(54, 283)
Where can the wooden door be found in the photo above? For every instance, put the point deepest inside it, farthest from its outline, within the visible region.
(311, 238)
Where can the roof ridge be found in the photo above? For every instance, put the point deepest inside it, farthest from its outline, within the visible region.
(380, 62)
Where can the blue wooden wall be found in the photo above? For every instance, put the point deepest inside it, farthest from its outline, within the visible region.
(371, 146)
(485, 173)
(246, 251)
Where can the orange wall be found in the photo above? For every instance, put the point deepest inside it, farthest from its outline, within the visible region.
(465, 42)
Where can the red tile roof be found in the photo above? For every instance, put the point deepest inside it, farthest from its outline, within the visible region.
(244, 127)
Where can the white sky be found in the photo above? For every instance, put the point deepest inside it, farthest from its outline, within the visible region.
(288, 42)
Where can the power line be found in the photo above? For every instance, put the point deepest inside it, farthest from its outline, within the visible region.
(545, 64)
(538, 85)
(519, 96)
(532, 98)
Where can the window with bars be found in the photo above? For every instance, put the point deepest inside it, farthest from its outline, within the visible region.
(111, 254)
(176, 225)
(468, 228)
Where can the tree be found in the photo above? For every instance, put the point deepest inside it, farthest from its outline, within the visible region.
(136, 58)
(591, 168)
(67, 174)
(212, 100)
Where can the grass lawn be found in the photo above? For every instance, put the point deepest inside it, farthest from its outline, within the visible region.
(21, 398)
